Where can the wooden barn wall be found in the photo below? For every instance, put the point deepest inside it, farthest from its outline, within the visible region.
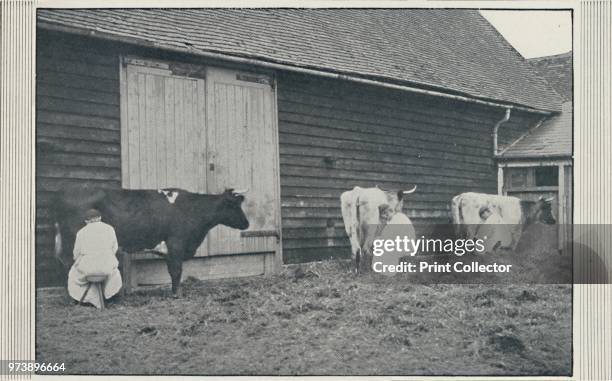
(333, 136)
(519, 124)
(336, 135)
(77, 130)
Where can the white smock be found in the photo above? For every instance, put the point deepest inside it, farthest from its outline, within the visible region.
(95, 251)
(495, 233)
(398, 226)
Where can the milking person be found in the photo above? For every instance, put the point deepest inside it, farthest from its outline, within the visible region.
(493, 231)
(393, 224)
(95, 250)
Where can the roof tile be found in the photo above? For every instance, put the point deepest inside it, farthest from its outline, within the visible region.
(452, 50)
(552, 138)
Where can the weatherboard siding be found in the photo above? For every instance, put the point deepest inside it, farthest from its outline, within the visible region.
(336, 135)
(333, 135)
(77, 131)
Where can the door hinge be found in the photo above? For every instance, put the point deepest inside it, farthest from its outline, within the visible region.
(254, 78)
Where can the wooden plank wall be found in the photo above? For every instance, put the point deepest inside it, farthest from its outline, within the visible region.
(333, 136)
(336, 135)
(77, 131)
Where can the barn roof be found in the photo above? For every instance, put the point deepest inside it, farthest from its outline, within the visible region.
(557, 70)
(551, 139)
(454, 51)
(554, 136)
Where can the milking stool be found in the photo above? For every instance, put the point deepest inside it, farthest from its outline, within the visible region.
(98, 283)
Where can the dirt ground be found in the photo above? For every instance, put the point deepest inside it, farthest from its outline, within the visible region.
(314, 320)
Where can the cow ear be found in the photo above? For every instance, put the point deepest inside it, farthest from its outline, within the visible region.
(231, 197)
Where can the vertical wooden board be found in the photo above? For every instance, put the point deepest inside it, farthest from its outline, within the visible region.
(201, 126)
(243, 158)
(161, 153)
(180, 131)
(200, 148)
(137, 175)
(170, 132)
(271, 197)
(190, 141)
(132, 132)
(227, 155)
(124, 117)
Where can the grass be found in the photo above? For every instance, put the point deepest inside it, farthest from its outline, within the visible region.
(315, 320)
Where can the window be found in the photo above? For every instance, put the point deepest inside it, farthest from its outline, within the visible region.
(546, 176)
(518, 178)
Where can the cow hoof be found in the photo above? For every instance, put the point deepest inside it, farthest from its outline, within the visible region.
(177, 295)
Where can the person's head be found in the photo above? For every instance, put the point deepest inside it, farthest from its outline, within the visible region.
(385, 213)
(485, 212)
(92, 215)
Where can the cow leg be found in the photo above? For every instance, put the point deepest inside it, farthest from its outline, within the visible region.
(174, 260)
(175, 268)
(366, 260)
(356, 258)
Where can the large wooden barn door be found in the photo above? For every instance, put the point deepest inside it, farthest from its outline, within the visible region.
(204, 130)
(242, 153)
(164, 144)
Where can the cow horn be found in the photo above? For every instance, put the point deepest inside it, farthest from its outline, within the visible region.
(240, 191)
(550, 199)
(410, 191)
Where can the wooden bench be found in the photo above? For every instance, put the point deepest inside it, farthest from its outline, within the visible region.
(126, 261)
(208, 267)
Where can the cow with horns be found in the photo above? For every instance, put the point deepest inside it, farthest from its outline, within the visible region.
(515, 214)
(144, 218)
(361, 213)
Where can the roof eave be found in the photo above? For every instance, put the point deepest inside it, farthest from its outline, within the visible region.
(526, 157)
(324, 72)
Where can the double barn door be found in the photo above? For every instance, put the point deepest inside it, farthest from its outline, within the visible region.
(204, 129)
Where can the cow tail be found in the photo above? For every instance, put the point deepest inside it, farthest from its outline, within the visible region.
(58, 247)
(355, 207)
(456, 214)
(456, 210)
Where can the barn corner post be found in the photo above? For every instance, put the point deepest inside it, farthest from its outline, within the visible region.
(123, 119)
(562, 207)
(277, 261)
(500, 178)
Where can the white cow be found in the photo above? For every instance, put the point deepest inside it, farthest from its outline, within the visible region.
(361, 216)
(514, 212)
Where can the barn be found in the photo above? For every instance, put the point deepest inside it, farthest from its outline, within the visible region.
(297, 105)
(539, 163)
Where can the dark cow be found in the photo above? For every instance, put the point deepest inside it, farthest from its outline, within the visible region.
(144, 218)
